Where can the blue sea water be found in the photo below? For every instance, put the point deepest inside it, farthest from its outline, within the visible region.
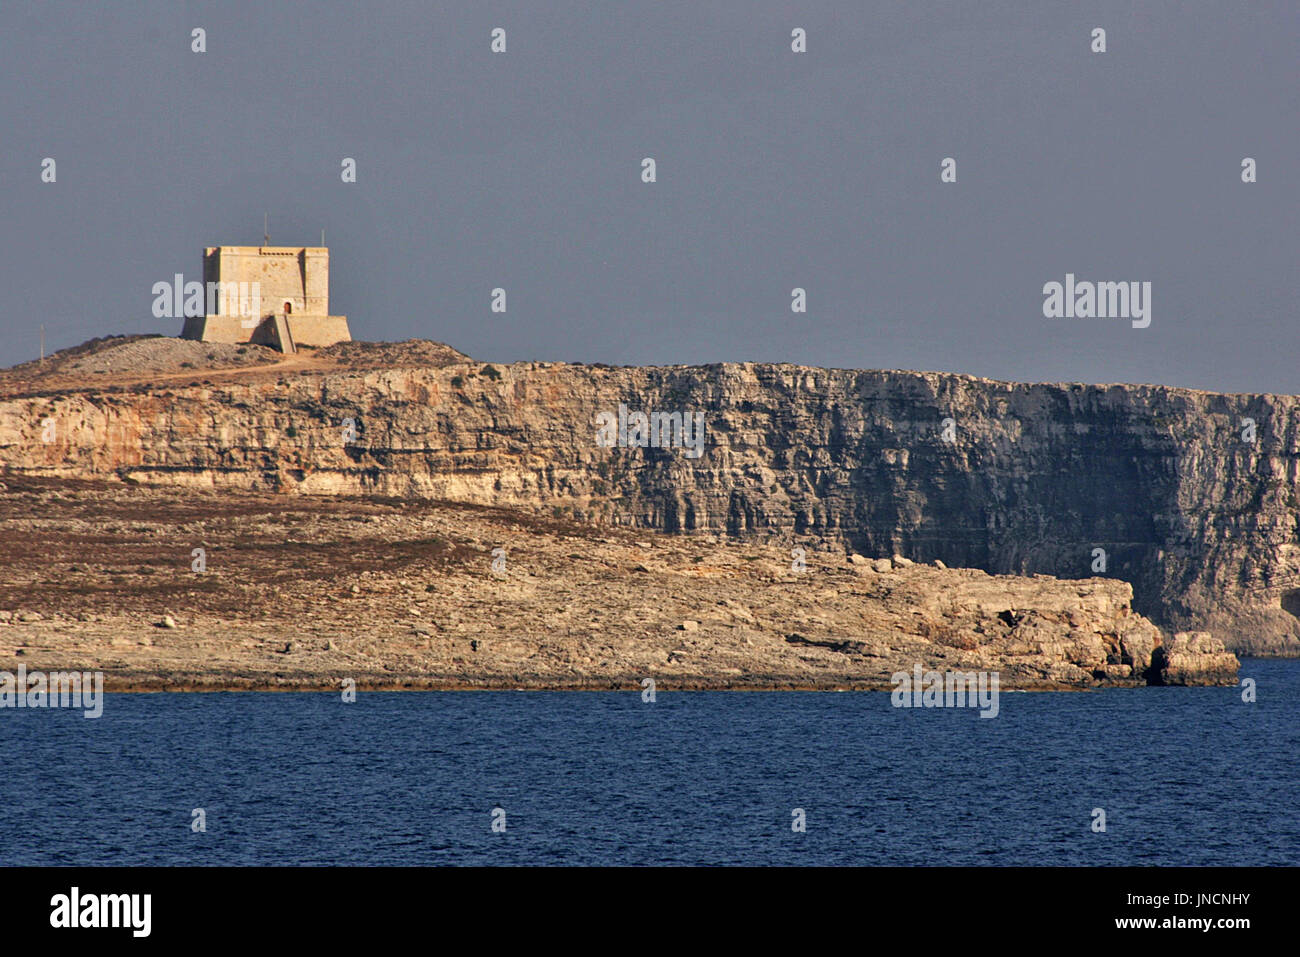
(1185, 776)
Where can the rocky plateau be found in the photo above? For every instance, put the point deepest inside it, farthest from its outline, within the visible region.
(1076, 530)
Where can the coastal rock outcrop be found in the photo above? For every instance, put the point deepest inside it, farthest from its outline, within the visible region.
(1189, 496)
(301, 591)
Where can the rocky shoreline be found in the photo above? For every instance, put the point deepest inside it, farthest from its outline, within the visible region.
(1151, 485)
(300, 592)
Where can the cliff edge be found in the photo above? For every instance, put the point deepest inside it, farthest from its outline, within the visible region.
(1189, 496)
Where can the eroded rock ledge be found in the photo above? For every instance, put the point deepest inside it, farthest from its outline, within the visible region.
(304, 591)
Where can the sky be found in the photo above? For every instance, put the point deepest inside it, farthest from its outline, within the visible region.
(775, 170)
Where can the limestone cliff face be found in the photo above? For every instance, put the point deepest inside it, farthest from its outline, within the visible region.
(1023, 479)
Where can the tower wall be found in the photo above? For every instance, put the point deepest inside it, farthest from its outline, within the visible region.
(292, 279)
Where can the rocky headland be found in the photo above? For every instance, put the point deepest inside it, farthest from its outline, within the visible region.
(1176, 505)
(304, 591)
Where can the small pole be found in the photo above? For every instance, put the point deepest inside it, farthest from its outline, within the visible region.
(42, 342)
(266, 234)
(322, 239)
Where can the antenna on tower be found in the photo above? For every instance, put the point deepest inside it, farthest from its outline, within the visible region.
(322, 238)
(266, 235)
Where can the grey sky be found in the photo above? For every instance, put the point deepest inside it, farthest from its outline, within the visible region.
(775, 170)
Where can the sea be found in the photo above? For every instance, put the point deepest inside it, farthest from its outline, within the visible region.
(1150, 776)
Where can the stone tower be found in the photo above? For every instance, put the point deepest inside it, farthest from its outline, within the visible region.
(273, 295)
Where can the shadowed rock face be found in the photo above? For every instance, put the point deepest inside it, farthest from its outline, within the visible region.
(1200, 521)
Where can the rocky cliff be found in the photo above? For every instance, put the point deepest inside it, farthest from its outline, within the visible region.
(1188, 495)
